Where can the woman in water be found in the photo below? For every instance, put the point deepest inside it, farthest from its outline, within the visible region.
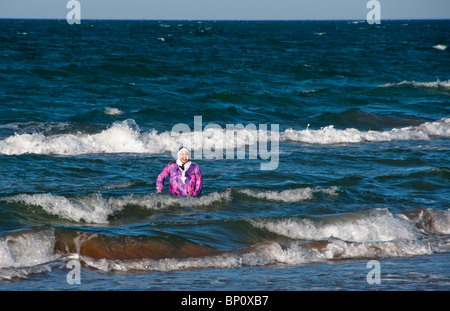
(185, 176)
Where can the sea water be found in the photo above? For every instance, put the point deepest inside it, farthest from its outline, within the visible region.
(86, 125)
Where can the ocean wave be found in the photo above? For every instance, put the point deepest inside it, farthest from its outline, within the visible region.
(269, 253)
(371, 234)
(378, 225)
(440, 47)
(126, 137)
(96, 209)
(90, 208)
(430, 221)
(435, 84)
(121, 137)
(330, 135)
(113, 111)
(287, 196)
(162, 201)
(27, 248)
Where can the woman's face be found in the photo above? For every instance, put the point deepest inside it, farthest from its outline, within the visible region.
(184, 156)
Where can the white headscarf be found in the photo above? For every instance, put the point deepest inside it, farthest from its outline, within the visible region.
(183, 167)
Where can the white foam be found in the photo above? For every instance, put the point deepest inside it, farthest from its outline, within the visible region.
(125, 137)
(338, 249)
(432, 221)
(163, 265)
(440, 47)
(121, 137)
(113, 111)
(163, 201)
(435, 84)
(264, 254)
(309, 91)
(91, 208)
(27, 248)
(23, 272)
(287, 196)
(378, 226)
(372, 234)
(330, 135)
(269, 253)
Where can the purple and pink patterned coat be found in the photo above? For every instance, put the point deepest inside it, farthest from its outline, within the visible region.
(192, 186)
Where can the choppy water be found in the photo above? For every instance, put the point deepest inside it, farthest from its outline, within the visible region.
(363, 116)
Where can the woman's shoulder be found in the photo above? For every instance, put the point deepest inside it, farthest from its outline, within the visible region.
(172, 164)
(194, 166)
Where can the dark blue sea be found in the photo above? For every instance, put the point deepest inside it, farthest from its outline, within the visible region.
(337, 178)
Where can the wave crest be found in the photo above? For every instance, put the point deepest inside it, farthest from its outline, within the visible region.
(435, 84)
(90, 209)
(370, 234)
(163, 201)
(378, 225)
(287, 196)
(330, 135)
(95, 209)
(126, 137)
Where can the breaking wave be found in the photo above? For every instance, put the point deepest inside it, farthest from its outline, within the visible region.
(435, 84)
(126, 137)
(331, 135)
(377, 225)
(96, 209)
(287, 196)
(371, 234)
(89, 209)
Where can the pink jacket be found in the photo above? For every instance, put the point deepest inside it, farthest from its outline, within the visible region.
(192, 185)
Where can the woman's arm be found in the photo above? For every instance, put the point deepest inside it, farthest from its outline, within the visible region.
(160, 180)
(198, 181)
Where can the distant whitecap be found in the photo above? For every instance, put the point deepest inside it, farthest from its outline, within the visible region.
(113, 111)
(440, 47)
